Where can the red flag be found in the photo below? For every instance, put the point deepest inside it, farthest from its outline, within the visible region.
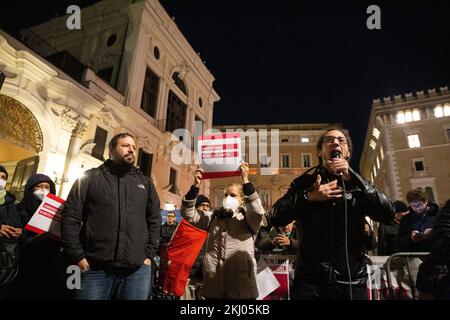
(183, 249)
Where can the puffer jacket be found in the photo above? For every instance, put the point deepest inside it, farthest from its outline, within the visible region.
(229, 265)
(322, 254)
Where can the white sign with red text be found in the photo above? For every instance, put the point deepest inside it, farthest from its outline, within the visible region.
(47, 217)
(220, 155)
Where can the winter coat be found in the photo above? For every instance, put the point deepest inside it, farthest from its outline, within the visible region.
(112, 217)
(229, 265)
(322, 254)
(419, 222)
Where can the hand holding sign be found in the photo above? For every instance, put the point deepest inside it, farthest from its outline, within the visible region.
(198, 177)
(244, 172)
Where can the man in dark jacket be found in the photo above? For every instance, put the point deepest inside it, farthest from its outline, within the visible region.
(388, 232)
(331, 255)
(111, 226)
(415, 228)
(168, 228)
(277, 239)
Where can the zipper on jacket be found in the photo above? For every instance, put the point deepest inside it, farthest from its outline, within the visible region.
(119, 219)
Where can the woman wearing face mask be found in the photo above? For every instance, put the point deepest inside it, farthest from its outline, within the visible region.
(229, 265)
(41, 265)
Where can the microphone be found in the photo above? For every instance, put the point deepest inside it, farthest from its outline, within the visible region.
(336, 154)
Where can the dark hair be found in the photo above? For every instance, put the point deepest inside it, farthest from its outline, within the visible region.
(322, 138)
(400, 206)
(115, 140)
(174, 214)
(417, 194)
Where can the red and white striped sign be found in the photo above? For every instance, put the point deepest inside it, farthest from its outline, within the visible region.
(220, 155)
(47, 217)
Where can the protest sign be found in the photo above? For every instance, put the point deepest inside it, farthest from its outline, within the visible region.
(220, 155)
(47, 217)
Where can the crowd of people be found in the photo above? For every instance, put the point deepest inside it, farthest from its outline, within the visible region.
(111, 229)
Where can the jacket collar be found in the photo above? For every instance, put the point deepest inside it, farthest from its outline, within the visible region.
(119, 170)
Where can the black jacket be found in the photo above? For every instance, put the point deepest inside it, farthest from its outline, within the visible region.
(112, 217)
(322, 256)
(9, 214)
(419, 222)
(388, 238)
(267, 234)
(167, 231)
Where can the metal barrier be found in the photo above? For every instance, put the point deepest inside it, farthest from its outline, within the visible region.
(406, 255)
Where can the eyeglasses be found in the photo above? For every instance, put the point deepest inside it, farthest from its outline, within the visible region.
(330, 139)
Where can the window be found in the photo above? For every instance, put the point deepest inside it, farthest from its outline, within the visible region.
(179, 83)
(373, 144)
(413, 141)
(111, 40)
(156, 53)
(285, 160)
(150, 93)
(305, 140)
(448, 134)
(418, 166)
(219, 197)
(173, 181)
(306, 160)
(374, 172)
(378, 162)
(440, 111)
(408, 116)
(266, 199)
(106, 74)
(100, 141)
(145, 161)
(264, 161)
(381, 153)
(176, 113)
(430, 194)
(376, 133)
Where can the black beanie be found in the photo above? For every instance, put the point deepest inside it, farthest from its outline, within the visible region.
(2, 169)
(200, 199)
(400, 206)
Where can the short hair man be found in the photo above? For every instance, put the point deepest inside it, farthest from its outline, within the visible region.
(415, 228)
(110, 226)
(331, 253)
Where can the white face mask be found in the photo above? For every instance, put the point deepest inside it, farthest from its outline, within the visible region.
(2, 184)
(230, 203)
(40, 194)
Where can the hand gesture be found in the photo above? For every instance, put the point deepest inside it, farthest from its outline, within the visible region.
(245, 169)
(84, 265)
(340, 165)
(324, 192)
(198, 178)
(282, 241)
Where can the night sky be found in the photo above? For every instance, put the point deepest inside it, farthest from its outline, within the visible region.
(301, 61)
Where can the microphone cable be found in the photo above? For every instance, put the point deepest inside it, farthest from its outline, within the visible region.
(346, 239)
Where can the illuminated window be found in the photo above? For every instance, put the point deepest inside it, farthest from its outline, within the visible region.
(373, 144)
(408, 116)
(439, 112)
(305, 140)
(374, 172)
(413, 141)
(401, 117)
(447, 110)
(382, 153)
(376, 133)
(378, 162)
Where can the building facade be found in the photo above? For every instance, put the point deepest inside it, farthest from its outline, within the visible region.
(407, 144)
(293, 145)
(68, 92)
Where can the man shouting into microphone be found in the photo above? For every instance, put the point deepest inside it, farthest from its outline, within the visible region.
(329, 204)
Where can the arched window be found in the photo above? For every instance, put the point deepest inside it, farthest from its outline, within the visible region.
(266, 197)
(218, 198)
(179, 83)
(430, 193)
